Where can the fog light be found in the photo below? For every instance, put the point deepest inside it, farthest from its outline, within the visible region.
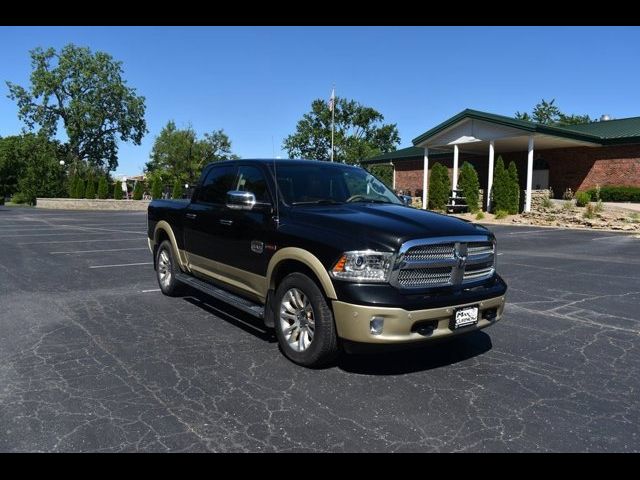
(376, 325)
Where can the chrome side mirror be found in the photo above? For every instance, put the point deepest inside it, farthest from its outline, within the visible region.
(238, 200)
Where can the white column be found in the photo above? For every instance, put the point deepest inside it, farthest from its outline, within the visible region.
(454, 181)
(487, 193)
(393, 185)
(425, 178)
(527, 203)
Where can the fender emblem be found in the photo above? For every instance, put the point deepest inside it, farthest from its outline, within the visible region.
(257, 246)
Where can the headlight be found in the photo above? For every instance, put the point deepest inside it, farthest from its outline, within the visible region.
(363, 266)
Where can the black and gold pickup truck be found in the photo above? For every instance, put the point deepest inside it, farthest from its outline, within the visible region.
(327, 255)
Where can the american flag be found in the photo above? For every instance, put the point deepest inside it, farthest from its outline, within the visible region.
(332, 99)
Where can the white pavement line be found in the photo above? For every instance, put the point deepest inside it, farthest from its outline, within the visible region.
(137, 239)
(106, 230)
(121, 265)
(546, 230)
(103, 250)
(61, 234)
(152, 290)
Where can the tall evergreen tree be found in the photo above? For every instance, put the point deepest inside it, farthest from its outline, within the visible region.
(438, 187)
(103, 188)
(177, 189)
(156, 188)
(117, 190)
(501, 190)
(469, 183)
(137, 191)
(514, 186)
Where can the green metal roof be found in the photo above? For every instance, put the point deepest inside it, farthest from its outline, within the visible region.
(611, 130)
(408, 152)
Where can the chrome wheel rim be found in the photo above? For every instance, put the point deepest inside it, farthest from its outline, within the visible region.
(297, 320)
(164, 269)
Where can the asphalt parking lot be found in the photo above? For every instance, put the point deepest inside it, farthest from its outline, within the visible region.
(94, 358)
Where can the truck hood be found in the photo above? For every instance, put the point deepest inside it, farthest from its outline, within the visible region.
(376, 225)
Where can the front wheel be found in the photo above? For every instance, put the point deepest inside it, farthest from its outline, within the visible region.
(166, 270)
(304, 322)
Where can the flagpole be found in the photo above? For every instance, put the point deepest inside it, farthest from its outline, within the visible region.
(333, 113)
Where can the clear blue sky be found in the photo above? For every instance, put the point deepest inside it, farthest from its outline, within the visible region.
(256, 82)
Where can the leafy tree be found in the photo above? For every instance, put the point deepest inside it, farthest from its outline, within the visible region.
(548, 113)
(514, 185)
(137, 191)
(156, 188)
(469, 183)
(85, 92)
(177, 189)
(81, 188)
(501, 191)
(180, 155)
(11, 165)
(359, 133)
(384, 172)
(103, 188)
(439, 187)
(117, 190)
(91, 188)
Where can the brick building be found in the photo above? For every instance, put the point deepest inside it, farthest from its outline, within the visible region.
(579, 157)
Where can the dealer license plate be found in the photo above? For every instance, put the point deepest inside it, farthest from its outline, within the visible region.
(465, 316)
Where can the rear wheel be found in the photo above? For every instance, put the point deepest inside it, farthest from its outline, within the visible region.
(166, 270)
(304, 322)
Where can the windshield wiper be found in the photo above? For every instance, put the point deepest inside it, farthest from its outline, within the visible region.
(371, 200)
(319, 202)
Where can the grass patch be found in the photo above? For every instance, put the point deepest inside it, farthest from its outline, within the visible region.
(479, 216)
(500, 214)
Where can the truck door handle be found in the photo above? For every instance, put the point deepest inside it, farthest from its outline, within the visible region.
(191, 215)
(226, 222)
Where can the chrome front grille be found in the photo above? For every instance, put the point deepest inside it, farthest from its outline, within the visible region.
(444, 262)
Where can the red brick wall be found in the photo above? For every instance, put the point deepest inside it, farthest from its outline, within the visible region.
(578, 168)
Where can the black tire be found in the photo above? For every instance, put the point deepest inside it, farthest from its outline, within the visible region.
(172, 286)
(323, 347)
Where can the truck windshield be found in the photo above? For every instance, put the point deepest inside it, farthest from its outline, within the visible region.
(331, 184)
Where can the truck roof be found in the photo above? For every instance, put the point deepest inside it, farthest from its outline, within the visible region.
(282, 161)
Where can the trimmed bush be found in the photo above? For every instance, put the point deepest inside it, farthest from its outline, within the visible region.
(617, 194)
(20, 198)
(80, 188)
(156, 188)
(103, 188)
(501, 214)
(439, 187)
(501, 190)
(91, 189)
(470, 185)
(72, 185)
(514, 189)
(137, 191)
(177, 189)
(582, 199)
(117, 190)
(479, 215)
(589, 212)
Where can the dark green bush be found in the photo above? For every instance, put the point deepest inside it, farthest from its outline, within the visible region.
(20, 197)
(582, 199)
(137, 191)
(501, 190)
(177, 189)
(103, 188)
(156, 188)
(514, 189)
(91, 189)
(117, 190)
(501, 214)
(470, 185)
(617, 194)
(80, 189)
(439, 187)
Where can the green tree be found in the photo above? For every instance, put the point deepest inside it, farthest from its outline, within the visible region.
(501, 191)
(384, 172)
(42, 175)
(177, 189)
(81, 188)
(103, 188)
(137, 191)
(90, 192)
(117, 190)
(547, 113)
(178, 154)
(156, 188)
(11, 165)
(359, 133)
(439, 187)
(86, 93)
(514, 186)
(469, 183)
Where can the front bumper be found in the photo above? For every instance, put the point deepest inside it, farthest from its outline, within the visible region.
(404, 326)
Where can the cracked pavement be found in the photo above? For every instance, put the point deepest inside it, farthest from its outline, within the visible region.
(96, 359)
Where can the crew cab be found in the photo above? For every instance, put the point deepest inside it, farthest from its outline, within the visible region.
(326, 255)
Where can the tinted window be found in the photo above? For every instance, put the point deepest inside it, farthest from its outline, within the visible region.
(217, 184)
(251, 179)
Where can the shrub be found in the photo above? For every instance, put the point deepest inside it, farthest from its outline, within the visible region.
(597, 193)
(103, 188)
(479, 216)
(568, 194)
(514, 189)
(177, 189)
(20, 197)
(156, 188)
(582, 199)
(617, 194)
(501, 191)
(589, 211)
(91, 189)
(137, 191)
(438, 187)
(501, 214)
(117, 190)
(599, 206)
(71, 186)
(634, 217)
(567, 205)
(547, 203)
(469, 184)
(80, 188)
